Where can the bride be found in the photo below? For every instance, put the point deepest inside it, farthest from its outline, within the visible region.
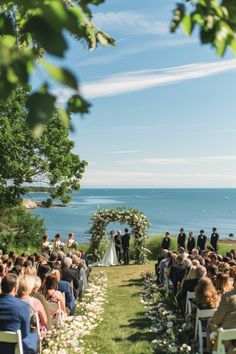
(110, 257)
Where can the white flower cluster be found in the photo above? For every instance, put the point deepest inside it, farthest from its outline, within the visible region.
(167, 329)
(88, 313)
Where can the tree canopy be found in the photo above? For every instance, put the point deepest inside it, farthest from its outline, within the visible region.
(215, 19)
(25, 158)
(29, 30)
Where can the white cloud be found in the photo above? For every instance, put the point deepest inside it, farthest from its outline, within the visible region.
(128, 82)
(179, 160)
(122, 152)
(145, 79)
(107, 178)
(130, 23)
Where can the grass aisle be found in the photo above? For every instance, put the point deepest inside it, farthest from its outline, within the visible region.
(125, 328)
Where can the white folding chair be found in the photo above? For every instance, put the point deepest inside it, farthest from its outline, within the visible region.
(72, 289)
(188, 304)
(56, 313)
(14, 338)
(224, 334)
(199, 334)
(166, 283)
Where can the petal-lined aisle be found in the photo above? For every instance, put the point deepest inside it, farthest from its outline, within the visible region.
(125, 328)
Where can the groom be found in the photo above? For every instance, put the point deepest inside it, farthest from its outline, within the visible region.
(125, 245)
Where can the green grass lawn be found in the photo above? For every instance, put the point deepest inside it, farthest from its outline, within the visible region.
(125, 328)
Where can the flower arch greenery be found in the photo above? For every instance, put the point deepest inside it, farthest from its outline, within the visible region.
(138, 222)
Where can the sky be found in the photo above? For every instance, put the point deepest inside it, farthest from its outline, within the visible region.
(163, 105)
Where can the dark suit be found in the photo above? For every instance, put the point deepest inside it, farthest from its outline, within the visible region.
(125, 245)
(118, 246)
(181, 239)
(64, 287)
(14, 315)
(188, 285)
(214, 240)
(191, 243)
(201, 242)
(165, 243)
(177, 273)
(69, 274)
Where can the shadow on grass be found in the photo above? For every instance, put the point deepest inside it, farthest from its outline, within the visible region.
(132, 282)
(142, 325)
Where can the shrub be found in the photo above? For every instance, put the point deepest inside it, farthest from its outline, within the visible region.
(27, 229)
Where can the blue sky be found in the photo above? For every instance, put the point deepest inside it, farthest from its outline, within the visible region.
(163, 106)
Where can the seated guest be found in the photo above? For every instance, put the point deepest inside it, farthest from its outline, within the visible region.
(52, 293)
(222, 284)
(206, 296)
(195, 253)
(190, 284)
(52, 259)
(213, 259)
(225, 315)
(163, 264)
(212, 271)
(35, 293)
(64, 287)
(70, 275)
(26, 285)
(177, 272)
(43, 271)
(182, 252)
(14, 315)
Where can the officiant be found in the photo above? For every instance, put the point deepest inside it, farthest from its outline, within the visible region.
(118, 245)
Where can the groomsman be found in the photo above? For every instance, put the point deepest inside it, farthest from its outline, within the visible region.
(165, 245)
(201, 241)
(214, 239)
(181, 238)
(191, 242)
(125, 245)
(118, 245)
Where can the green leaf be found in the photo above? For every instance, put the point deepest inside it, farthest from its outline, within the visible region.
(61, 75)
(50, 39)
(77, 104)
(6, 26)
(59, 16)
(41, 107)
(233, 45)
(221, 46)
(187, 24)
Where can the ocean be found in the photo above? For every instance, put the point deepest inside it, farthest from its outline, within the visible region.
(167, 210)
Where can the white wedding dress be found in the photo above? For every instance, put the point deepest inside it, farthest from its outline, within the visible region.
(110, 257)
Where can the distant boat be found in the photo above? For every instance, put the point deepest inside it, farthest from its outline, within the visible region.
(136, 196)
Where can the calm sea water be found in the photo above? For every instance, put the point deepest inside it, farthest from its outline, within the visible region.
(167, 209)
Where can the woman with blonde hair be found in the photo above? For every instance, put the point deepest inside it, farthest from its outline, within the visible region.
(222, 283)
(26, 285)
(206, 296)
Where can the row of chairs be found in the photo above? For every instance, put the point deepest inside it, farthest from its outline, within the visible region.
(200, 334)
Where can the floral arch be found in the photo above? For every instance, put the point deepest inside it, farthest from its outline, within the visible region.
(134, 218)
